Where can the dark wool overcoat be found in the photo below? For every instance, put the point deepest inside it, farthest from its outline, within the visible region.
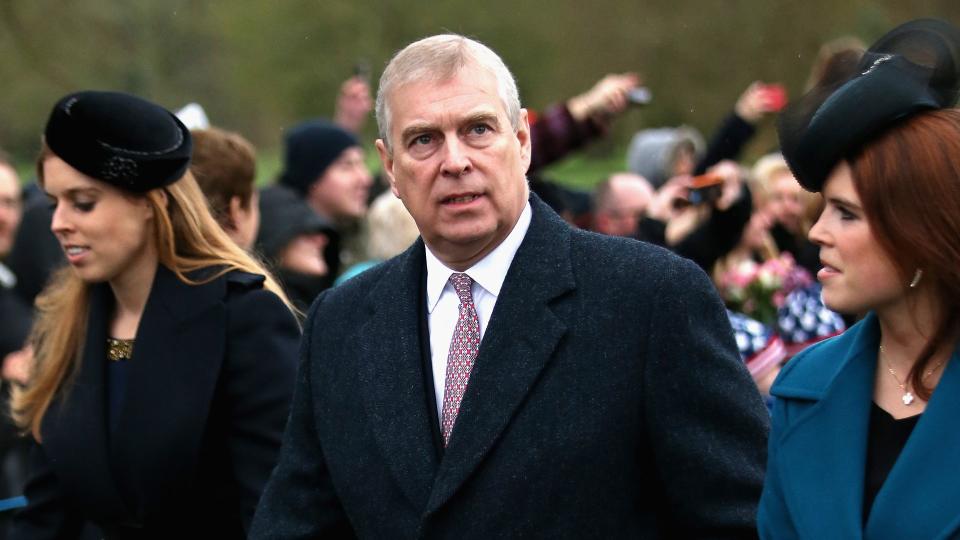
(607, 400)
(207, 397)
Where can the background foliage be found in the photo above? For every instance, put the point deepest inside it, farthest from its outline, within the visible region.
(258, 65)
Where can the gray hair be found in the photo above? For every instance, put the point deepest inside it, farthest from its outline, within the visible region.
(439, 58)
(652, 152)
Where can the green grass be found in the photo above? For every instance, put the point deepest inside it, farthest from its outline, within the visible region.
(26, 171)
(268, 167)
(584, 171)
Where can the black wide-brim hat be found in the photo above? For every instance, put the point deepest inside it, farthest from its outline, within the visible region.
(120, 139)
(915, 67)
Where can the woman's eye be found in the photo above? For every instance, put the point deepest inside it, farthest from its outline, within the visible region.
(83, 206)
(845, 214)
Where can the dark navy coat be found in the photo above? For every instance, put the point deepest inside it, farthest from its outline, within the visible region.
(607, 400)
(207, 397)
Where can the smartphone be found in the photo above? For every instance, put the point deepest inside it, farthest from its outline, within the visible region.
(362, 69)
(775, 96)
(639, 96)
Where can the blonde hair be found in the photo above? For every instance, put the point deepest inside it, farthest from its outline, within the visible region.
(391, 228)
(771, 166)
(768, 167)
(760, 192)
(187, 239)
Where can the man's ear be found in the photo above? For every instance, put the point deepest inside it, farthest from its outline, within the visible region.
(523, 136)
(386, 159)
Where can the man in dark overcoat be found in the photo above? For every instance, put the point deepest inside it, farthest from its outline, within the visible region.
(508, 376)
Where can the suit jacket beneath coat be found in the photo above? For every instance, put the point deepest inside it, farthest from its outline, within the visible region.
(818, 448)
(607, 400)
(207, 397)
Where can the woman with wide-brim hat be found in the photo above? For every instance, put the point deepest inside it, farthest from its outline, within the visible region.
(865, 440)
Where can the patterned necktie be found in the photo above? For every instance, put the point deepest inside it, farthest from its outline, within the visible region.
(463, 350)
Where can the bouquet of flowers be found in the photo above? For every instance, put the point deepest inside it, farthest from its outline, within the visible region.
(757, 290)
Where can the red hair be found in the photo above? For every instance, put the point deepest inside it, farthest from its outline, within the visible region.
(908, 180)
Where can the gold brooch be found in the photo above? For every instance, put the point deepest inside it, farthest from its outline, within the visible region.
(119, 349)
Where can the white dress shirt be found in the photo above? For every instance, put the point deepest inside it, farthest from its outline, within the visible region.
(443, 304)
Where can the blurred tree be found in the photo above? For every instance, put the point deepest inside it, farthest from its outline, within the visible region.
(259, 66)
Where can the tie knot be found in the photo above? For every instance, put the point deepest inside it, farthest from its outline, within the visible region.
(462, 284)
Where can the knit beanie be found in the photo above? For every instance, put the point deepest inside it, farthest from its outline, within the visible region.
(309, 148)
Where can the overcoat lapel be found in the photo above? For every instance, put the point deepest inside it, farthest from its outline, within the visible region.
(391, 376)
(921, 492)
(522, 334)
(827, 494)
(74, 429)
(172, 378)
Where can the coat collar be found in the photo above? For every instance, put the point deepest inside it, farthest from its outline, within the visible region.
(489, 272)
(171, 378)
(826, 494)
(509, 361)
(391, 377)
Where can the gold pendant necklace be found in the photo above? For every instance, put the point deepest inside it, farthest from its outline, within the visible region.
(907, 398)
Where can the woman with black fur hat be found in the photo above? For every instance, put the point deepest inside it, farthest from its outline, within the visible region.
(865, 440)
(164, 355)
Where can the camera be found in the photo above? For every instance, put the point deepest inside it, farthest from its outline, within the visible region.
(705, 189)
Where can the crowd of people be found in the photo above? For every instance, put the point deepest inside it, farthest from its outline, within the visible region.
(456, 345)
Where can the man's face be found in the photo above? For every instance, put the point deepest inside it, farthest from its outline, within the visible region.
(457, 163)
(630, 195)
(10, 208)
(341, 193)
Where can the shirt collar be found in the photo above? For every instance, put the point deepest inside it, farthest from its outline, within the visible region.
(7, 278)
(489, 272)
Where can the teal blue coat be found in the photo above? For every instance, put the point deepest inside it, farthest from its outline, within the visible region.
(817, 454)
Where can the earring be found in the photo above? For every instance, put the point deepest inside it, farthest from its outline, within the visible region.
(917, 276)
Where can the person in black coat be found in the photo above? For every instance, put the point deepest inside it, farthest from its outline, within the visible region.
(164, 355)
(15, 320)
(509, 376)
(295, 242)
